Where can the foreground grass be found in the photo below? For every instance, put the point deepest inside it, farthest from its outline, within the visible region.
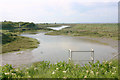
(91, 30)
(63, 70)
(20, 43)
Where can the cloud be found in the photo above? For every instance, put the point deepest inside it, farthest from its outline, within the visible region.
(58, 10)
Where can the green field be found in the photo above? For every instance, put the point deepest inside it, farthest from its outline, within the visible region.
(90, 30)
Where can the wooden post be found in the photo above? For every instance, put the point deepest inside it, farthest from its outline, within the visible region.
(92, 52)
(70, 54)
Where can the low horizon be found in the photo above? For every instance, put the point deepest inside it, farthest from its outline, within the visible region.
(64, 22)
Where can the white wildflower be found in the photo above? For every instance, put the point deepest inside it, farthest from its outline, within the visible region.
(69, 58)
(113, 73)
(110, 63)
(85, 76)
(114, 67)
(57, 68)
(16, 70)
(29, 76)
(103, 61)
(13, 73)
(53, 72)
(64, 71)
(87, 71)
(97, 73)
(35, 68)
(7, 73)
(65, 77)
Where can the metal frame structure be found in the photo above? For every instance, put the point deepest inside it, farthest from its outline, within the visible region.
(92, 54)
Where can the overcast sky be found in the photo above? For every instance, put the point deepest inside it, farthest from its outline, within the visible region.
(60, 11)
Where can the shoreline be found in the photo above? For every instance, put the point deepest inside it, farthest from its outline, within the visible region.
(105, 41)
(23, 43)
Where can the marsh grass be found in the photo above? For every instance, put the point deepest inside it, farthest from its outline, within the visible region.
(20, 43)
(91, 30)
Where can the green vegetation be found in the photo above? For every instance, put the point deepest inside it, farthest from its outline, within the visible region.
(7, 37)
(63, 70)
(20, 27)
(10, 31)
(91, 30)
(12, 42)
(50, 25)
(20, 43)
(8, 25)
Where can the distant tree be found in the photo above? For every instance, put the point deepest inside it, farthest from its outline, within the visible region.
(11, 25)
(8, 25)
(29, 24)
(5, 21)
(46, 23)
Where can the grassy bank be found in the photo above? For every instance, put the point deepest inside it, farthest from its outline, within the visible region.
(63, 70)
(91, 30)
(12, 42)
(20, 43)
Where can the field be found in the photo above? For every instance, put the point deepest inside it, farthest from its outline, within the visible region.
(106, 69)
(90, 30)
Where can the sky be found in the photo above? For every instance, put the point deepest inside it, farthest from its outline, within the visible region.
(59, 11)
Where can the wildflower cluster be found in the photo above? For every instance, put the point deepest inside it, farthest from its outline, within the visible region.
(62, 70)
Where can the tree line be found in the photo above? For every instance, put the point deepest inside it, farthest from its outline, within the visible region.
(11, 25)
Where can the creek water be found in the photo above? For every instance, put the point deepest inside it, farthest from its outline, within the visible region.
(56, 48)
